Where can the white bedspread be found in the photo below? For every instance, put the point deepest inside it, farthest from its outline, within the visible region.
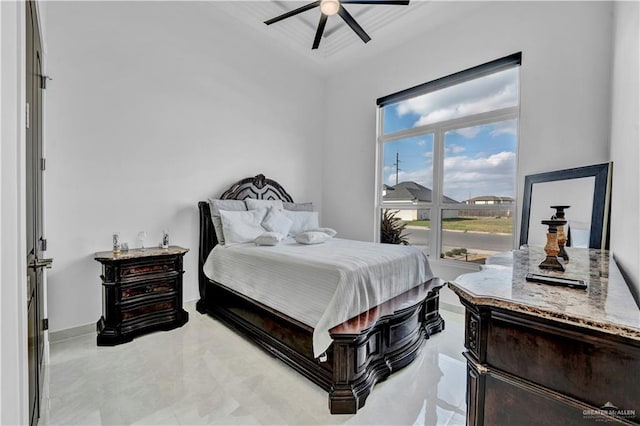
(319, 285)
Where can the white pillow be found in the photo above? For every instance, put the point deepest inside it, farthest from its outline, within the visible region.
(215, 206)
(329, 231)
(307, 207)
(253, 204)
(302, 221)
(312, 237)
(276, 221)
(268, 239)
(242, 227)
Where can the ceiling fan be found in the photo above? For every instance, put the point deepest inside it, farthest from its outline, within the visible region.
(331, 7)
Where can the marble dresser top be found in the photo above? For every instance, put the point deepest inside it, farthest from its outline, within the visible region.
(606, 305)
(137, 253)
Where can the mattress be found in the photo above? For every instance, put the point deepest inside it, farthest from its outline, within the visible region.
(319, 285)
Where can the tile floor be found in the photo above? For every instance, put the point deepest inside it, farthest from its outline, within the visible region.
(204, 373)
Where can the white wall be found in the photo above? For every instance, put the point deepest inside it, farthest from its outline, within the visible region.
(565, 94)
(13, 287)
(625, 113)
(154, 106)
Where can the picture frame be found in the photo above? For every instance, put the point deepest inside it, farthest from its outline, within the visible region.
(597, 178)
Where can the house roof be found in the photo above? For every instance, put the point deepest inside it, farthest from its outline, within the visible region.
(411, 192)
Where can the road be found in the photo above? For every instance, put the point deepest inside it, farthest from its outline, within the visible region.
(468, 240)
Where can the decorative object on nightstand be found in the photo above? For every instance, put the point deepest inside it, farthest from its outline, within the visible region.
(142, 236)
(551, 248)
(141, 293)
(165, 239)
(562, 237)
(116, 243)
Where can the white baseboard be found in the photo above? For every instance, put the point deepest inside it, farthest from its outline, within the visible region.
(70, 333)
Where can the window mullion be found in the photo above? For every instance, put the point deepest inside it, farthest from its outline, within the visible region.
(377, 217)
(436, 211)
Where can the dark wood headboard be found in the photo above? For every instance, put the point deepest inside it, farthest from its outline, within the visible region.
(258, 187)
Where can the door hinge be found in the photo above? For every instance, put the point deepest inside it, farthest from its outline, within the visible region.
(43, 81)
(43, 164)
(27, 108)
(43, 244)
(45, 324)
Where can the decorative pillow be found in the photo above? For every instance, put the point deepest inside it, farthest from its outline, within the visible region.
(242, 227)
(215, 206)
(268, 239)
(300, 207)
(312, 237)
(276, 221)
(302, 221)
(329, 231)
(253, 204)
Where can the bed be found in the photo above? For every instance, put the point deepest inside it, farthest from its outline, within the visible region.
(363, 350)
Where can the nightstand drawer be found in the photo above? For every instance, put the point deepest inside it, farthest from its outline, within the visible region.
(140, 311)
(149, 289)
(147, 267)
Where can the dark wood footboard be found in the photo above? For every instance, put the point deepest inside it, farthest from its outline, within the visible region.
(365, 350)
(373, 345)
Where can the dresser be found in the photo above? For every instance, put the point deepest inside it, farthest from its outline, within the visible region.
(539, 354)
(141, 293)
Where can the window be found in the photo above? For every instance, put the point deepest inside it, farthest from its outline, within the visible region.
(447, 162)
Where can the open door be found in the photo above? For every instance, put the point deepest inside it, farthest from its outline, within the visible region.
(36, 244)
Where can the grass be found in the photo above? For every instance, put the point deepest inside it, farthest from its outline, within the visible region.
(472, 224)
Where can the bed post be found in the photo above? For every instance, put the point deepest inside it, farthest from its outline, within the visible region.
(208, 240)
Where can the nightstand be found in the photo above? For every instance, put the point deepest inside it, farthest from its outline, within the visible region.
(141, 293)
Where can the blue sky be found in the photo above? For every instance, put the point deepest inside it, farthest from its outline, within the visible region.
(478, 160)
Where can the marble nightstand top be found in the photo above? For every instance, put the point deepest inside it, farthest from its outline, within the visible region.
(138, 253)
(606, 305)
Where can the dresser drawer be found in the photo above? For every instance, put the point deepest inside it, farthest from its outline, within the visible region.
(133, 293)
(564, 360)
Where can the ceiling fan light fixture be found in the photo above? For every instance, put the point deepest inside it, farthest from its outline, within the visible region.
(329, 7)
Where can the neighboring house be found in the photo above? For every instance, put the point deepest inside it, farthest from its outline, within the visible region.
(487, 200)
(414, 193)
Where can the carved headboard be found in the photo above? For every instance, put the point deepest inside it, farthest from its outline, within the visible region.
(258, 187)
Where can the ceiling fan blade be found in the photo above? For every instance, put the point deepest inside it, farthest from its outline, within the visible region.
(392, 2)
(293, 12)
(321, 25)
(353, 24)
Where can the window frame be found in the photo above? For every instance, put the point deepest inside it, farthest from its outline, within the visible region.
(437, 205)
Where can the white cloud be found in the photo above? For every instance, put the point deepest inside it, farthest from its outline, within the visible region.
(508, 127)
(466, 177)
(469, 132)
(495, 91)
(424, 177)
(452, 148)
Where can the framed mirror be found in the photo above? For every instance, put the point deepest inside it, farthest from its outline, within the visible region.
(586, 189)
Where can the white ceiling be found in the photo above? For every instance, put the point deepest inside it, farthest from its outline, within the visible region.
(387, 25)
